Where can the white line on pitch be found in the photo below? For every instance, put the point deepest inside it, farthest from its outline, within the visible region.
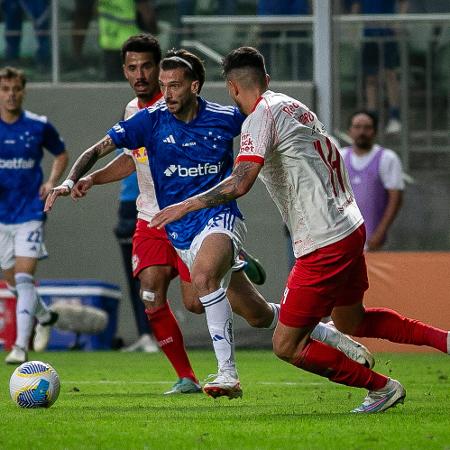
(270, 383)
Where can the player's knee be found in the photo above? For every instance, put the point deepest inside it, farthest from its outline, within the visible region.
(204, 281)
(149, 298)
(283, 350)
(194, 306)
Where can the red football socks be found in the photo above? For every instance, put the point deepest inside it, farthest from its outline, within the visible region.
(330, 363)
(168, 334)
(387, 324)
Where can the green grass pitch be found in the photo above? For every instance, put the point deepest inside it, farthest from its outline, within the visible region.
(113, 400)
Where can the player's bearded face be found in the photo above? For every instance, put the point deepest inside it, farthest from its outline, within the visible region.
(141, 71)
(362, 131)
(178, 90)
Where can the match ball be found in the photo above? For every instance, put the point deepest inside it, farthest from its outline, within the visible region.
(34, 384)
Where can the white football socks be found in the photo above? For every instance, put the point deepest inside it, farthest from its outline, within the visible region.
(276, 314)
(42, 310)
(27, 301)
(219, 318)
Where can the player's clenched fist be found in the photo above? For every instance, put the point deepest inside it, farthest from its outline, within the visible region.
(81, 187)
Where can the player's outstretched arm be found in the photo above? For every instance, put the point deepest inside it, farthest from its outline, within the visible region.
(236, 185)
(119, 168)
(84, 162)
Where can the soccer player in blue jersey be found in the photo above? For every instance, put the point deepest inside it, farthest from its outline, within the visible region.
(189, 142)
(23, 136)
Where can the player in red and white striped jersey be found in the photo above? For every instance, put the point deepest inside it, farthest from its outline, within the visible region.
(283, 142)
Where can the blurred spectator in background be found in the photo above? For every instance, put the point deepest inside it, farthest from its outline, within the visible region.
(82, 16)
(38, 11)
(279, 53)
(118, 20)
(376, 178)
(380, 57)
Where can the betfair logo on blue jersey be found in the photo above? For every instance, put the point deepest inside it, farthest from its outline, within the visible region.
(118, 128)
(197, 171)
(17, 163)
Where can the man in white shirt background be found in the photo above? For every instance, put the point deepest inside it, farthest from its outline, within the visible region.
(376, 178)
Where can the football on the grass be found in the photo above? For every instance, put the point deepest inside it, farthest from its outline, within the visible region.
(34, 384)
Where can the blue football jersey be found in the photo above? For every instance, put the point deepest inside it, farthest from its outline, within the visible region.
(185, 158)
(21, 152)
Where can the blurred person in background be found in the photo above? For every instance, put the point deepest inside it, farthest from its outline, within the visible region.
(381, 59)
(38, 11)
(82, 16)
(117, 20)
(376, 178)
(23, 136)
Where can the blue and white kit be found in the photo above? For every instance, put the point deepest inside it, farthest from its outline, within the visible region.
(185, 158)
(21, 152)
(21, 209)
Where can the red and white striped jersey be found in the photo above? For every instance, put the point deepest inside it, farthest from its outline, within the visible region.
(146, 202)
(303, 171)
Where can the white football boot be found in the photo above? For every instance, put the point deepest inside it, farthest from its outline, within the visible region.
(224, 384)
(377, 401)
(42, 333)
(17, 355)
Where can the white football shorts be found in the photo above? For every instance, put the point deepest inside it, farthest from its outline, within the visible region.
(224, 223)
(23, 239)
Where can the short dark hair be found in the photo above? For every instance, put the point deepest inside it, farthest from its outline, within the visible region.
(367, 113)
(142, 43)
(197, 72)
(245, 58)
(9, 73)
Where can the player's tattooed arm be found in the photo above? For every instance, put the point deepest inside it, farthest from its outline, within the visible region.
(90, 156)
(237, 184)
(84, 162)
